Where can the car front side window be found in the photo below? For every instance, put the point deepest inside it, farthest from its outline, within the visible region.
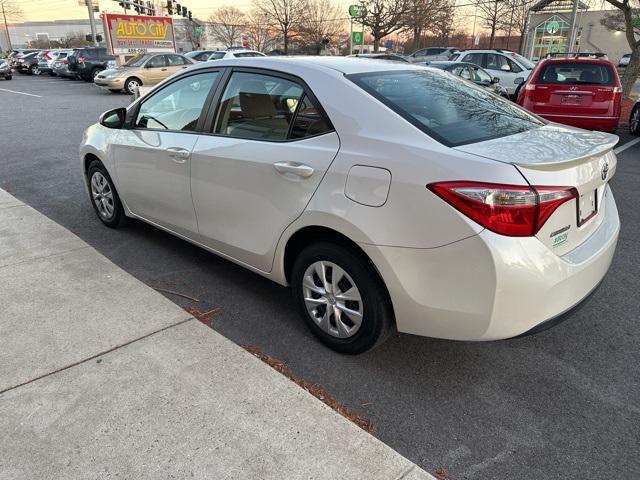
(156, 62)
(178, 106)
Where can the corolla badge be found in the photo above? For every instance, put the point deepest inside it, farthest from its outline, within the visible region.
(605, 171)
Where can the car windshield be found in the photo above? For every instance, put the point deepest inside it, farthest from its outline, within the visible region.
(448, 109)
(569, 73)
(137, 61)
(525, 62)
(216, 55)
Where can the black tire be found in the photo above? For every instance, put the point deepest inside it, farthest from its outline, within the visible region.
(33, 69)
(94, 73)
(128, 84)
(52, 74)
(8, 77)
(118, 218)
(634, 121)
(377, 313)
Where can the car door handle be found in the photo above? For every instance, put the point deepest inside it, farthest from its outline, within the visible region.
(295, 168)
(179, 155)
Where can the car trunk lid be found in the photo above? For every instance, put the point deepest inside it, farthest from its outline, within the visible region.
(559, 156)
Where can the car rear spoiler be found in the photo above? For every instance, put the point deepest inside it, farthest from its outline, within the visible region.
(577, 55)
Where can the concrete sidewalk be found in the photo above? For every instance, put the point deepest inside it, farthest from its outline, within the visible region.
(102, 377)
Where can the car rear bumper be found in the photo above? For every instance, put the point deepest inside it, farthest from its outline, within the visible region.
(489, 286)
(584, 121)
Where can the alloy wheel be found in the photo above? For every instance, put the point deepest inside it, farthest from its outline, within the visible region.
(132, 85)
(332, 299)
(102, 195)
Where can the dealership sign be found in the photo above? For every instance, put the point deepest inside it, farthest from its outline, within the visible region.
(130, 34)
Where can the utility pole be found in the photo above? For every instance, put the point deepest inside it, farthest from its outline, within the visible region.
(6, 26)
(574, 28)
(363, 9)
(92, 22)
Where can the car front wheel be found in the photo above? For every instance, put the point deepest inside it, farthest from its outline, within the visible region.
(341, 297)
(104, 198)
(634, 121)
(131, 84)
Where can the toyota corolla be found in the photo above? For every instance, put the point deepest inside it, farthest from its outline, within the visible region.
(387, 196)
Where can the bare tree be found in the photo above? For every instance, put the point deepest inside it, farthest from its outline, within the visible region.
(283, 15)
(623, 21)
(74, 40)
(261, 36)
(515, 19)
(417, 18)
(492, 13)
(228, 24)
(383, 18)
(319, 23)
(9, 12)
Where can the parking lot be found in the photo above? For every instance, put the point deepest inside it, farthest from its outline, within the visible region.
(564, 404)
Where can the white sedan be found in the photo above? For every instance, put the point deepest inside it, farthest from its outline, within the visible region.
(388, 196)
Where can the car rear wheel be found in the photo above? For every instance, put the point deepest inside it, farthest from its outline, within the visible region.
(34, 70)
(634, 121)
(131, 84)
(104, 198)
(341, 297)
(95, 72)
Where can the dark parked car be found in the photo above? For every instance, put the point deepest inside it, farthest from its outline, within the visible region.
(28, 63)
(199, 55)
(474, 74)
(88, 62)
(381, 56)
(5, 69)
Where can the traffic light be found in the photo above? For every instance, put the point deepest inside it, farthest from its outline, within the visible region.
(190, 15)
(136, 7)
(169, 7)
(184, 11)
(178, 9)
(124, 5)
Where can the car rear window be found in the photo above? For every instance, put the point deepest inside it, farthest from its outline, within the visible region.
(448, 109)
(573, 73)
(216, 55)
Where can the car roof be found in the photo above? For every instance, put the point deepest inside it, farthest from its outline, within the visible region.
(547, 61)
(345, 65)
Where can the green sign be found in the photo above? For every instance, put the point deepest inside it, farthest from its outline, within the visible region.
(357, 10)
(357, 37)
(553, 27)
(199, 31)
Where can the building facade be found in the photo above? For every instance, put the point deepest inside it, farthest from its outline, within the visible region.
(550, 32)
(23, 33)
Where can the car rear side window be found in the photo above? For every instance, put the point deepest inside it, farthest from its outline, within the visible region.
(450, 110)
(575, 73)
(177, 107)
(216, 55)
(258, 107)
(475, 58)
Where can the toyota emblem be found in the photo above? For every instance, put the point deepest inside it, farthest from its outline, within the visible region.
(605, 171)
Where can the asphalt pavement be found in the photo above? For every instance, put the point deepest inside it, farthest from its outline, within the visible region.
(564, 404)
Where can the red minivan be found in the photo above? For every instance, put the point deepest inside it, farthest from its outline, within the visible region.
(582, 92)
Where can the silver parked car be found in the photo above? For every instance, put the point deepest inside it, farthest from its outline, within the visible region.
(387, 195)
(5, 69)
(432, 53)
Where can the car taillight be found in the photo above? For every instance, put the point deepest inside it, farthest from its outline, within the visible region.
(80, 59)
(511, 210)
(64, 62)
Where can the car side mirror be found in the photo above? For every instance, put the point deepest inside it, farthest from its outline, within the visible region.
(518, 80)
(114, 118)
(505, 68)
(495, 80)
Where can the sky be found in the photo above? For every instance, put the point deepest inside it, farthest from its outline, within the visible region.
(67, 9)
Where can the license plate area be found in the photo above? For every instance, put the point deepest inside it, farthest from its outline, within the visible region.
(587, 207)
(571, 99)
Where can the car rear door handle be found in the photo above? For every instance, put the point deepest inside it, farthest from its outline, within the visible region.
(178, 155)
(295, 168)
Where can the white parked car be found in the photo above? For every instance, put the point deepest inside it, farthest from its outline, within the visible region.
(432, 54)
(511, 68)
(235, 53)
(624, 61)
(386, 195)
